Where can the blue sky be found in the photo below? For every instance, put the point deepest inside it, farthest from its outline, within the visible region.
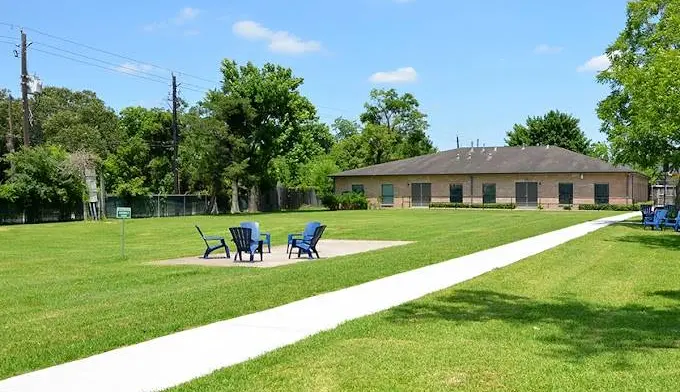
(477, 67)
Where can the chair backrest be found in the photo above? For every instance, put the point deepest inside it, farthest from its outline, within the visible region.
(201, 233)
(660, 214)
(318, 232)
(646, 209)
(310, 230)
(242, 237)
(254, 228)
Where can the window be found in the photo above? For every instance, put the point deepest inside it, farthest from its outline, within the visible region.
(456, 193)
(601, 193)
(387, 193)
(489, 193)
(566, 193)
(358, 188)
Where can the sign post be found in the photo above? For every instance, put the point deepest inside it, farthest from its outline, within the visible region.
(123, 213)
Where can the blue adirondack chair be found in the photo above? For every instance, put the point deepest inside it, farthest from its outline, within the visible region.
(220, 243)
(265, 237)
(646, 211)
(307, 234)
(308, 245)
(655, 221)
(671, 219)
(243, 239)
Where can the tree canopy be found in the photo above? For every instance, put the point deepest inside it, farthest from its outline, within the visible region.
(641, 114)
(555, 128)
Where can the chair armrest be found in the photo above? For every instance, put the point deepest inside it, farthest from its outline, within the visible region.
(213, 238)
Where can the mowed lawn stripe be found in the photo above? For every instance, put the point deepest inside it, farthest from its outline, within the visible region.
(598, 313)
(65, 293)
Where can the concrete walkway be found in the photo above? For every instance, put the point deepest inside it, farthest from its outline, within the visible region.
(174, 359)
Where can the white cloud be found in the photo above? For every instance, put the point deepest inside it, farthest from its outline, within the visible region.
(279, 41)
(399, 75)
(595, 64)
(134, 69)
(547, 49)
(184, 16)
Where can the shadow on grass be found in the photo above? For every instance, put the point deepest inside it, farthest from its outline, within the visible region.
(670, 294)
(667, 238)
(577, 329)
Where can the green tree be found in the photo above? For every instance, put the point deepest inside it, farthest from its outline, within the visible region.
(76, 120)
(399, 115)
(554, 128)
(344, 128)
(143, 162)
(211, 155)
(641, 115)
(600, 150)
(42, 176)
(275, 107)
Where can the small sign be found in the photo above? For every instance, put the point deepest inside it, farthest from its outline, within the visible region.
(123, 212)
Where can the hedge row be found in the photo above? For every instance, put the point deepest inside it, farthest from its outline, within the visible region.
(346, 201)
(609, 207)
(499, 206)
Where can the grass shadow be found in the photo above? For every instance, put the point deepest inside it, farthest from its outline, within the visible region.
(670, 294)
(579, 329)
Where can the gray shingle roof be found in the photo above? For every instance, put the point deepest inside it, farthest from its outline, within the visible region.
(492, 160)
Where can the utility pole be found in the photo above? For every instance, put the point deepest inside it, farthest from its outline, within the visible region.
(174, 133)
(24, 90)
(457, 142)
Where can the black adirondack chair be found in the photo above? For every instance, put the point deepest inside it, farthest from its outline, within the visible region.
(308, 245)
(242, 237)
(221, 243)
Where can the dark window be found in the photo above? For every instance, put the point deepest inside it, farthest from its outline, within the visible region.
(601, 193)
(566, 191)
(387, 193)
(358, 188)
(489, 191)
(456, 193)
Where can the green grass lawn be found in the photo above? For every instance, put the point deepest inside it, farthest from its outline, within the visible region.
(65, 293)
(599, 313)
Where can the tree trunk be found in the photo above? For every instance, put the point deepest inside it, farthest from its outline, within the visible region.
(214, 210)
(234, 197)
(252, 200)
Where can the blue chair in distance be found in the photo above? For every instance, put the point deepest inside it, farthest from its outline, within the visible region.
(646, 211)
(220, 243)
(307, 234)
(243, 239)
(671, 219)
(265, 237)
(655, 221)
(308, 245)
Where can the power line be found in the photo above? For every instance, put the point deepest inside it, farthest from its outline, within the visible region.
(116, 54)
(7, 37)
(8, 42)
(98, 66)
(121, 68)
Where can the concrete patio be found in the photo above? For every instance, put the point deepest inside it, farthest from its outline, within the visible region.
(278, 257)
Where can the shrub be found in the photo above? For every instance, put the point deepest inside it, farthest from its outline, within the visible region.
(346, 201)
(352, 201)
(567, 207)
(500, 206)
(330, 201)
(609, 207)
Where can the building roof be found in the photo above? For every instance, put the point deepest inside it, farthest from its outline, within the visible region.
(492, 160)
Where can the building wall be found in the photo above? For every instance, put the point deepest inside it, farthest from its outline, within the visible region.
(624, 188)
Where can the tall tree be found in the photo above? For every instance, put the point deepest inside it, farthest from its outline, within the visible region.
(76, 120)
(273, 98)
(212, 155)
(143, 163)
(401, 116)
(641, 115)
(555, 128)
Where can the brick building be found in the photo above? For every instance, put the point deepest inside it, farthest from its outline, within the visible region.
(528, 176)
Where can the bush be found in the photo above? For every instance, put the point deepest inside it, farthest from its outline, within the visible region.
(609, 207)
(346, 201)
(499, 206)
(330, 201)
(567, 207)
